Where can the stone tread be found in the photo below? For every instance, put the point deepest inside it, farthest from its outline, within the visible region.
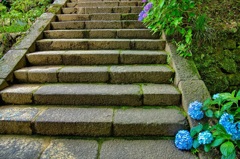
(98, 24)
(108, 74)
(101, 33)
(104, 4)
(100, 44)
(97, 16)
(91, 121)
(90, 10)
(92, 94)
(97, 57)
(26, 147)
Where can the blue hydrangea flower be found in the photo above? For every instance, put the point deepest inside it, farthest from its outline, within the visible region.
(205, 137)
(215, 96)
(225, 119)
(194, 110)
(236, 131)
(148, 7)
(183, 140)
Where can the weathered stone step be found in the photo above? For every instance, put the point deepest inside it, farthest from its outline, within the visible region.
(108, 74)
(104, 4)
(31, 147)
(100, 44)
(92, 94)
(99, 16)
(90, 10)
(101, 33)
(91, 121)
(97, 57)
(113, 24)
(105, 0)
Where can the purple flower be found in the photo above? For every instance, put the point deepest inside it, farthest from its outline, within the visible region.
(183, 140)
(205, 138)
(148, 7)
(144, 1)
(142, 15)
(195, 111)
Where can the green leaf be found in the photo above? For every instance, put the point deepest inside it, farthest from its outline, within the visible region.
(196, 130)
(238, 144)
(217, 142)
(238, 94)
(207, 147)
(196, 144)
(218, 114)
(209, 113)
(231, 156)
(226, 106)
(227, 148)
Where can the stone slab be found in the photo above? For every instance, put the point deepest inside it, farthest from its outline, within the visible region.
(136, 33)
(193, 90)
(142, 149)
(67, 25)
(12, 147)
(65, 34)
(147, 122)
(17, 120)
(73, 17)
(109, 44)
(3, 84)
(12, 60)
(19, 94)
(185, 68)
(143, 57)
(75, 121)
(72, 149)
(151, 44)
(103, 25)
(161, 94)
(89, 57)
(88, 94)
(83, 74)
(141, 74)
(46, 58)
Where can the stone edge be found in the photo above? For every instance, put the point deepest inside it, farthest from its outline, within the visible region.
(187, 76)
(27, 43)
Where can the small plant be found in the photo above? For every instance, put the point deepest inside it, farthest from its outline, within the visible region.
(223, 132)
(177, 19)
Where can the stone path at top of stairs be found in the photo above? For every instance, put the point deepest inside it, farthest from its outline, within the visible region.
(98, 86)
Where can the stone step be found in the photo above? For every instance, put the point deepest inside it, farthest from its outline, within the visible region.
(104, 4)
(91, 121)
(105, 0)
(100, 44)
(113, 24)
(89, 74)
(101, 33)
(97, 57)
(99, 16)
(90, 10)
(29, 147)
(92, 94)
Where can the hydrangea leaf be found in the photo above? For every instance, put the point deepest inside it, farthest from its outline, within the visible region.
(207, 147)
(227, 148)
(209, 113)
(196, 144)
(226, 106)
(217, 142)
(217, 114)
(196, 130)
(231, 156)
(238, 94)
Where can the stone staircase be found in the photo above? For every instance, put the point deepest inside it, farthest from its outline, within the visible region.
(98, 74)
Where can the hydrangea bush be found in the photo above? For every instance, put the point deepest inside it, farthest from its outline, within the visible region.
(223, 133)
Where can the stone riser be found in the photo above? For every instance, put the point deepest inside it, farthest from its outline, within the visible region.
(85, 17)
(100, 44)
(103, 4)
(87, 10)
(95, 74)
(101, 33)
(125, 24)
(90, 121)
(92, 94)
(95, 57)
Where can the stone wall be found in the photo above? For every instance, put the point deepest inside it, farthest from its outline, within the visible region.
(219, 66)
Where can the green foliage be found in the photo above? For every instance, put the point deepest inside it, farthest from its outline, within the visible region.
(19, 16)
(214, 109)
(179, 20)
